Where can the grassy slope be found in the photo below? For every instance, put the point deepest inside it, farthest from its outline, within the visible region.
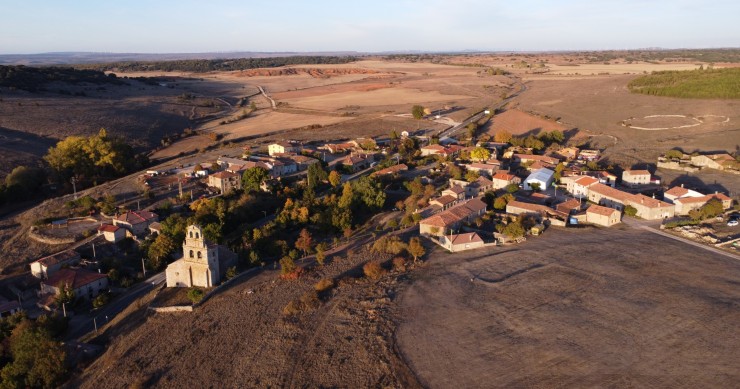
(701, 84)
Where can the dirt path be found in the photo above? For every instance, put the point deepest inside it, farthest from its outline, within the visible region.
(272, 102)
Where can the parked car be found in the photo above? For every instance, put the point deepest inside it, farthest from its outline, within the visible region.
(733, 222)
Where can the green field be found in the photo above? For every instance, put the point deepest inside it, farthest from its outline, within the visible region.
(693, 84)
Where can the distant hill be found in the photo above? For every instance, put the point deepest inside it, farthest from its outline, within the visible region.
(74, 58)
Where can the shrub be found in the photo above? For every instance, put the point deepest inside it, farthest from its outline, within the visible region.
(101, 300)
(630, 210)
(373, 270)
(287, 266)
(310, 300)
(324, 285)
(399, 264)
(195, 295)
(231, 272)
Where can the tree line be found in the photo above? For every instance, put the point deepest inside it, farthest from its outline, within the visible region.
(36, 79)
(209, 65)
(700, 84)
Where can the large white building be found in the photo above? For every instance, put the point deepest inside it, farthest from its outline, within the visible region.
(542, 177)
(202, 264)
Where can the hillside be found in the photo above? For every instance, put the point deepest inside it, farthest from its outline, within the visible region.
(242, 336)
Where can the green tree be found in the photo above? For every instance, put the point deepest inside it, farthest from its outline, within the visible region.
(66, 294)
(630, 210)
(370, 192)
(335, 178)
(253, 178)
(26, 178)
(559, 171)
(316, 174)
(37, 360)
(415, 248)
(454, 171)
(471, 175)
(195, 295)
(514, 230)
(480, 154)
(512, 188)
(674, 154)
(417, 111)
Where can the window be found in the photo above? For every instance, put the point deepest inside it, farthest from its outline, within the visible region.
(191, 234)
(199, 255)
(191, 253)
(197, 236)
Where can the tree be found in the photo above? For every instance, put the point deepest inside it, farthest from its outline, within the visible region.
(630, 210)
(315, 175)
(335, 178)
(535, 186)
(159, 250)
(480, 154)
(320, 253)
(471, 175)
(417, 111)
(512, 188)
(416, 249)
(454, 171)
(559, 171)
(253, 178)
(304, 241)
(66, 294)
(347, 196)
(25, 178)
(101, 300)
(499, 203)
(287, 265)
(369, 191)
(514, 230)
(195, 295)
(389, 244)
(37, 360)
(673, 154)
(502, 136)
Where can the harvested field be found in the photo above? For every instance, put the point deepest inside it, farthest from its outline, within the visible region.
(375, 97)
(612, 308)
(620, 68)
(519, 123)
(600, 104)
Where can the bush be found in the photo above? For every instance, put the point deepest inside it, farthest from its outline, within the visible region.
(231, 272)
(399, 264)
(324, 285)
(630, 210)
(373, 270)
(309, 301)
(195, 295)
(101, 300)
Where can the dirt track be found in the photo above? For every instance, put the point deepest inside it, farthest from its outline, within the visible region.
(608, 308)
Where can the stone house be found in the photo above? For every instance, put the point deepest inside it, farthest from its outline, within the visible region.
(137, 222)
(112, 233)
(85, 284)
(501, 180)
(283, 148)
(635, 177)
(686, 204)
(461, 242)
(46, 266)
(452, 218)
(603, 216)
(225, 181)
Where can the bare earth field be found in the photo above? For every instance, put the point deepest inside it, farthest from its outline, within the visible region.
(575, 308)
(600, 104)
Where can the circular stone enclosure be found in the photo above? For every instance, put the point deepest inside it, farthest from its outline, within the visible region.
(672, 122)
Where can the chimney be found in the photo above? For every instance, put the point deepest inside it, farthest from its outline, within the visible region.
(682, 185)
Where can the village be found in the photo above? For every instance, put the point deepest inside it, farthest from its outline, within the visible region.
(280, 203)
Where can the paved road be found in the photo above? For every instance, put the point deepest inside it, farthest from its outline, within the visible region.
(83, 324)
(654, 227)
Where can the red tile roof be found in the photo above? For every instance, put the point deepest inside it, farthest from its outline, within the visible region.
(599, 210)
(136, 217)
(586, 181)
(608, 191)
(391, 170)
(446, 199)
(527, 206)
(703, 199)
(504, 176)
(636, 172)
(108, 228)
(75, 278)
(534, 157)
(224, 175)
(456, 213)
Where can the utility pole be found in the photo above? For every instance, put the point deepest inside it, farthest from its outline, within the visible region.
(95, 323)
(143, 268)
(74, 187)
(179, 182)
(93, 247)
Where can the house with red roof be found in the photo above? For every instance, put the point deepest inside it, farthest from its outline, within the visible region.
(452, 218)
(503, 179)
(225, 181)
(137, 222)
(603, 216)
(46, 266)
(85, 284)
(112, 233)
(686, 204)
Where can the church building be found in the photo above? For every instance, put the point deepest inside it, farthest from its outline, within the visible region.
(203, 263)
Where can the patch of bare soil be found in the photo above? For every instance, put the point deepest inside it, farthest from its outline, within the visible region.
(241, 337)
(575, 308)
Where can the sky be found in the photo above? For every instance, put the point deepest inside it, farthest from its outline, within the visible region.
(185, 26)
